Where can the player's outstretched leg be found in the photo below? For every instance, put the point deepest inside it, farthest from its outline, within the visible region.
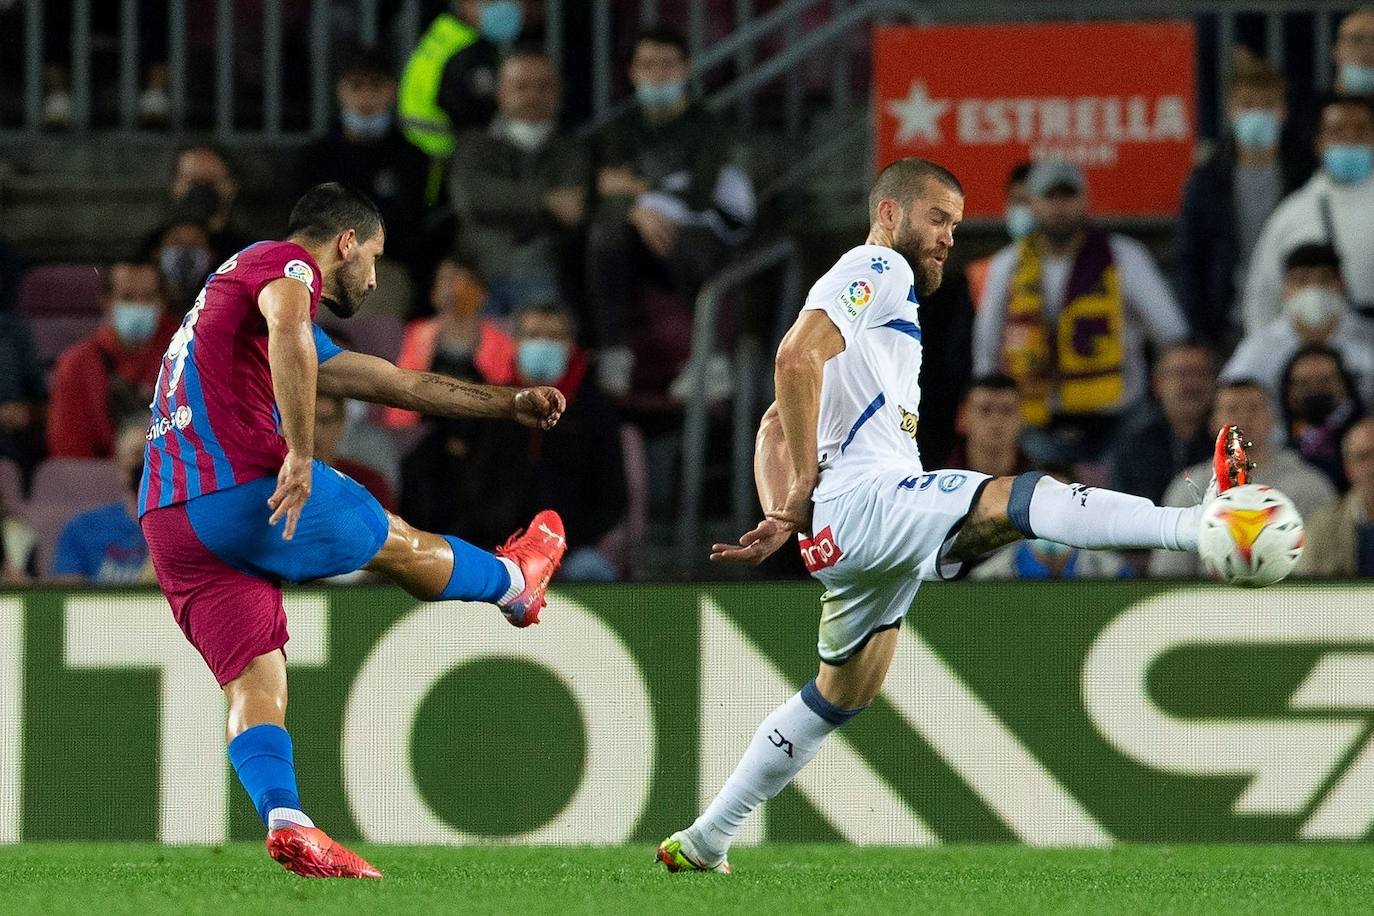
(783, 744)
(515, 578)
(1034, 505)
(260, 750)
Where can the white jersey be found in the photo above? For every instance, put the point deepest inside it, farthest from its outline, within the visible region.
(871, 394)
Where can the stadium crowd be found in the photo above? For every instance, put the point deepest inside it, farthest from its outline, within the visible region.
(518, 252)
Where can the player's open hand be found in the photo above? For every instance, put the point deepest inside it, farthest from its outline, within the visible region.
(539, 407)
(755, 546)
(293, 489)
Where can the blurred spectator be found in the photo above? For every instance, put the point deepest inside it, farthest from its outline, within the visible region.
(1335, 206)
(106, 545)
(1019, 221)
(184, 257)
(1320, 405)
(449, 84)
(110, 375)
(367, 151)
(519, 189)
(1042, 559)
(1172, 433)
(1065, 313)
(103, 27)
(22, 392)
(1340, 537)
(990, 427)
(669, 203)
(458, 340)
(329, 427)
(204, 189)
(1353, 53)
(1315, 311)
(1229, 197)
(946, 316)
(18, 548)
(1246, 404)
(481, 479)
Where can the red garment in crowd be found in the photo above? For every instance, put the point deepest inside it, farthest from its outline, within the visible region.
(494, 359)
(81, 421)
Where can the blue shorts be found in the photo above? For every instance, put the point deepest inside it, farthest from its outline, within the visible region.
(340, 529)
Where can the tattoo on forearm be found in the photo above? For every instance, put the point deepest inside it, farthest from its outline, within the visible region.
(457, 386)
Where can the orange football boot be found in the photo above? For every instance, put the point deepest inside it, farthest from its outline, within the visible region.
(538, 551)
(310, 853)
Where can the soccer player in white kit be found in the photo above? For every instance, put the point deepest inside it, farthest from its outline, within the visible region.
(837, 466)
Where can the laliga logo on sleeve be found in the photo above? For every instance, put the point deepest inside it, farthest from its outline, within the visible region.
(299, 270)
(855, 297)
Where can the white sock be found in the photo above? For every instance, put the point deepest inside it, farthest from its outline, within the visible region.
(1095, 518)
(517, 581)
(281, 817)
(786, 740)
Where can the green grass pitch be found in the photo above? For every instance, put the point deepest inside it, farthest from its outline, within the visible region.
(147, 880)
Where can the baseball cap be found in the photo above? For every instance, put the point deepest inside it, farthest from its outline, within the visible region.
(1054, 174)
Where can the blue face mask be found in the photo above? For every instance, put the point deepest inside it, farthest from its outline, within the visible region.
(134, 322)
(1256, 128)
(542, 360)
(369, 126)
(1020, 221)
(1357, 79)
(664, 95)
(1348, 163)
(501, 21)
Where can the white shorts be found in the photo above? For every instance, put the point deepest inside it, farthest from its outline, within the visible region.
(873, 545)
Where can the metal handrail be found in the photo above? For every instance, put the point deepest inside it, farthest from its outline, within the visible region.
(694, 433)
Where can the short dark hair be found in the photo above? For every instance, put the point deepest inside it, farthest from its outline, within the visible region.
(904, 178)
(206, 146)
(662, 35)
(993, 381)
(1243, 384)
(1019, 173)
(549, 309)
(367, 62)
(1190, 343)
(1358, 101)
(1313, 254)
(331, 208)
(1313, 349)
(135, 263)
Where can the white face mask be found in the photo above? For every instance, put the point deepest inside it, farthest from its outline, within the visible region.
(528, 135)
(1313, 306)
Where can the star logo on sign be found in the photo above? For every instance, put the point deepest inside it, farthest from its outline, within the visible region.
(918, 115)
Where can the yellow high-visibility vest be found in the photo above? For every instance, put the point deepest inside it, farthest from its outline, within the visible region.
(425, 124)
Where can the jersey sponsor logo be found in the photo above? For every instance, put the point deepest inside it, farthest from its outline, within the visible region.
(879, 265)
(299, 270)
(856, 297)
(951, 482)
(908, 422)
(821, 551)
(180, 419)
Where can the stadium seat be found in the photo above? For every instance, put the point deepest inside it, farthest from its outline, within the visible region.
(47, 521)
(87, 482)
(61, 289)
(54, 333)
(11, 484)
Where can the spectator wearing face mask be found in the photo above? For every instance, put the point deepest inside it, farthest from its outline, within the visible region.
(1340, 537)
(1320, 405)
(1315, 311)
(366, 150)
(204, 189)
(111, 374)
(106, 545)
(1229, 197)
(519, 188)
(670, 205)
(184, 258)
(458, 341)
(1353, 53)
(1018, 220)
(449, 84)
(1335, 206)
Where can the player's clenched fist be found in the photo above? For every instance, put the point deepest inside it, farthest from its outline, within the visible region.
(293, 489)
(539, 407)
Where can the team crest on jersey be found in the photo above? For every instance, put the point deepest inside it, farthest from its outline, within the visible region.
(855, 297)
(951, 482)
(908, 422)
(299, 270)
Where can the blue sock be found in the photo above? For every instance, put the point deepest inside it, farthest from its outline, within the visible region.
(263, 760)
(477, 575)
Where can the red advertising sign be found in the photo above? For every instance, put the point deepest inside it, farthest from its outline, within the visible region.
(1117, 98)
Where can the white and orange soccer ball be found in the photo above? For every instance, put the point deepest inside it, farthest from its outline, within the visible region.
(1250, 535)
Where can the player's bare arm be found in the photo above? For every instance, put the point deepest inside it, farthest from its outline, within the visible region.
(285, 304)
(370, 378)
(798, 374)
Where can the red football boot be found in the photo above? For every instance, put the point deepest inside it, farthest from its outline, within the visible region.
(538, 551)
(1231, 466)
(310, 853)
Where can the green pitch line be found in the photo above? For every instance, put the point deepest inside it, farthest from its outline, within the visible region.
(148, 880)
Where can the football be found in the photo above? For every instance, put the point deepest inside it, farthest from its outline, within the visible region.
(1250, 535)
